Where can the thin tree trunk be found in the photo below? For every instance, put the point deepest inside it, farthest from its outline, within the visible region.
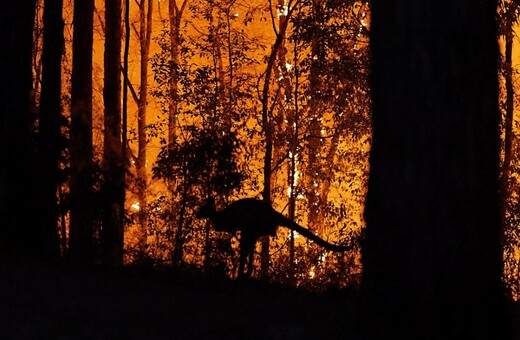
(124, 115)
(63, 224)
(81, 149)
(230, 84)
(126, 86)
(508, 121)
(288, 113)
(267, 129)
(50, 123)
(328, 176)
(178, 241)
(314, 168)
(113, 163)
(37, 53)
(145, 33)
(175, 15)
(294, 120)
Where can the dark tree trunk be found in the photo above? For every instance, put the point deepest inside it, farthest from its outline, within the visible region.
(508, 22)
(175, 13)
(268, 132)
(113, 162)
(510, 105)
(81, 167)
(314, 144)
(127, 85)
(50, 139)
(432, 256)
(145, 34)
(18, 237)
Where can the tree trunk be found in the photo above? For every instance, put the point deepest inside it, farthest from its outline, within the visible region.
(508, 34)
(432, 257)
(126, 87)
(16, 166)
(113, 162)
(50, 123)
(81, 150)
(268, 131)
(510, 93)
(175, 15)
(313, 170)
(145, 34)
(288, 113)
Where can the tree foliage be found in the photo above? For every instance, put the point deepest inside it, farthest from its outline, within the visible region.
(218, 120)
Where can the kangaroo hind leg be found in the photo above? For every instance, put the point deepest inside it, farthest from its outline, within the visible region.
(247, 247)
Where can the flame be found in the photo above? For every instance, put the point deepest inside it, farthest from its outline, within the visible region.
(312, 274)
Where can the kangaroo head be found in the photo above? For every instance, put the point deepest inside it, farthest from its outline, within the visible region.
(207, 210)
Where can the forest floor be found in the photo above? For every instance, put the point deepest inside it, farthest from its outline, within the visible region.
(65, 303)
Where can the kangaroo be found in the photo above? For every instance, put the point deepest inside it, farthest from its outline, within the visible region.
(254, 218)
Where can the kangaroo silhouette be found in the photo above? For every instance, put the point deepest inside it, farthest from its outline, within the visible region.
(254, 218)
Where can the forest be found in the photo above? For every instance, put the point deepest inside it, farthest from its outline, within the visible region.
(387, 129)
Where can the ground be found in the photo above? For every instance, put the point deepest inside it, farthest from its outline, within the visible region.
(41, 302)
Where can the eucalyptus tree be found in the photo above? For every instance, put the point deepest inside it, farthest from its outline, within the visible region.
(144, 37)
(113, 151)
(176, 12)
(17, 151)
(81, 245)
(432, 259)
(508, 12)
(51, 142)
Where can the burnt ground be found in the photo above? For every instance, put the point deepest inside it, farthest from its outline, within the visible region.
(62, 303)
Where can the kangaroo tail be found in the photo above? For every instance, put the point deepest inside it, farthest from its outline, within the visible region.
(319, 241)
